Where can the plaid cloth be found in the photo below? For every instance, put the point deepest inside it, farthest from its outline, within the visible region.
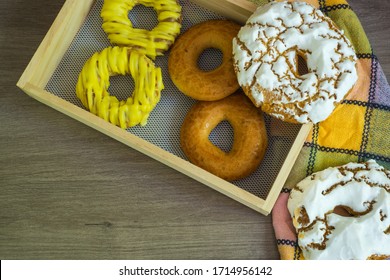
(356, 131)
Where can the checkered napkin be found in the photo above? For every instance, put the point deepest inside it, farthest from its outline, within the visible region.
(356, 131)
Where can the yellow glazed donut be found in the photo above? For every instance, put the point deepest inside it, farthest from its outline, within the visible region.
(266, 54)
(250, 136)
(120, 30)
(93, 83)
(183, 61)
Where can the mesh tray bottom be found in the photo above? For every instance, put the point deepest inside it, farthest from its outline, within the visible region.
(165, 120)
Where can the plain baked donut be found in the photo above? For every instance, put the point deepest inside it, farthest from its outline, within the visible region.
(94, 81)
(183, 61)
(266, 54)
(120, 30)
(362, 191)
(250, 136)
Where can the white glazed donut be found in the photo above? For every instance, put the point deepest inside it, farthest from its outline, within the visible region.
(266, 52)
(360, 189)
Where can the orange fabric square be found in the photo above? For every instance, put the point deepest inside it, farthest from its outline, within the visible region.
(344, 128)
(361, 90)
(310, 136)
(313, 2)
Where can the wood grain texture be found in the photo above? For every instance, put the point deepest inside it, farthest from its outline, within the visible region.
(70, 192)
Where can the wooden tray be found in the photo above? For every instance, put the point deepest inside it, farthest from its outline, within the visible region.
(56, 44)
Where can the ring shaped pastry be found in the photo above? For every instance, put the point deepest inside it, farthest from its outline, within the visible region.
(250, 136)
(266, 54)
(183, 61)
(94, 81)
(120, 30)
(343, 212)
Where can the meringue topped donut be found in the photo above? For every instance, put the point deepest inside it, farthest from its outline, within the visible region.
(266, 53)
(362, 192)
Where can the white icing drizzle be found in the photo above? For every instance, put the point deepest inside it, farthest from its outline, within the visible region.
(365, 189)
(265, 58)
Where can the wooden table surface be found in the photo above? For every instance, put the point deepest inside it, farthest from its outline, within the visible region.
(70, 192)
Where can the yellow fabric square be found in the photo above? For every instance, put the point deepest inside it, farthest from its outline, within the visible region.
(288, 252)
(361, 90)
(344, 128)
(335, 2)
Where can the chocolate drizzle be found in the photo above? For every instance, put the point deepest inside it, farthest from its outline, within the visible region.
(343, 171)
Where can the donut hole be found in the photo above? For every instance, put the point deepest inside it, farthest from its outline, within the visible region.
(342, 210)
(210, 59)
(302, 65)
(222, 136)
(143, 17)
(121, 86)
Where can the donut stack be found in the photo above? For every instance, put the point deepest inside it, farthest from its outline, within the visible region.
(218, 99)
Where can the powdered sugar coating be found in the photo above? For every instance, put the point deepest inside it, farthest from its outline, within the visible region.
(265, 55)
(361, 188)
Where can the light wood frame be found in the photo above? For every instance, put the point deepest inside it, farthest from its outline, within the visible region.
(54, 46)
